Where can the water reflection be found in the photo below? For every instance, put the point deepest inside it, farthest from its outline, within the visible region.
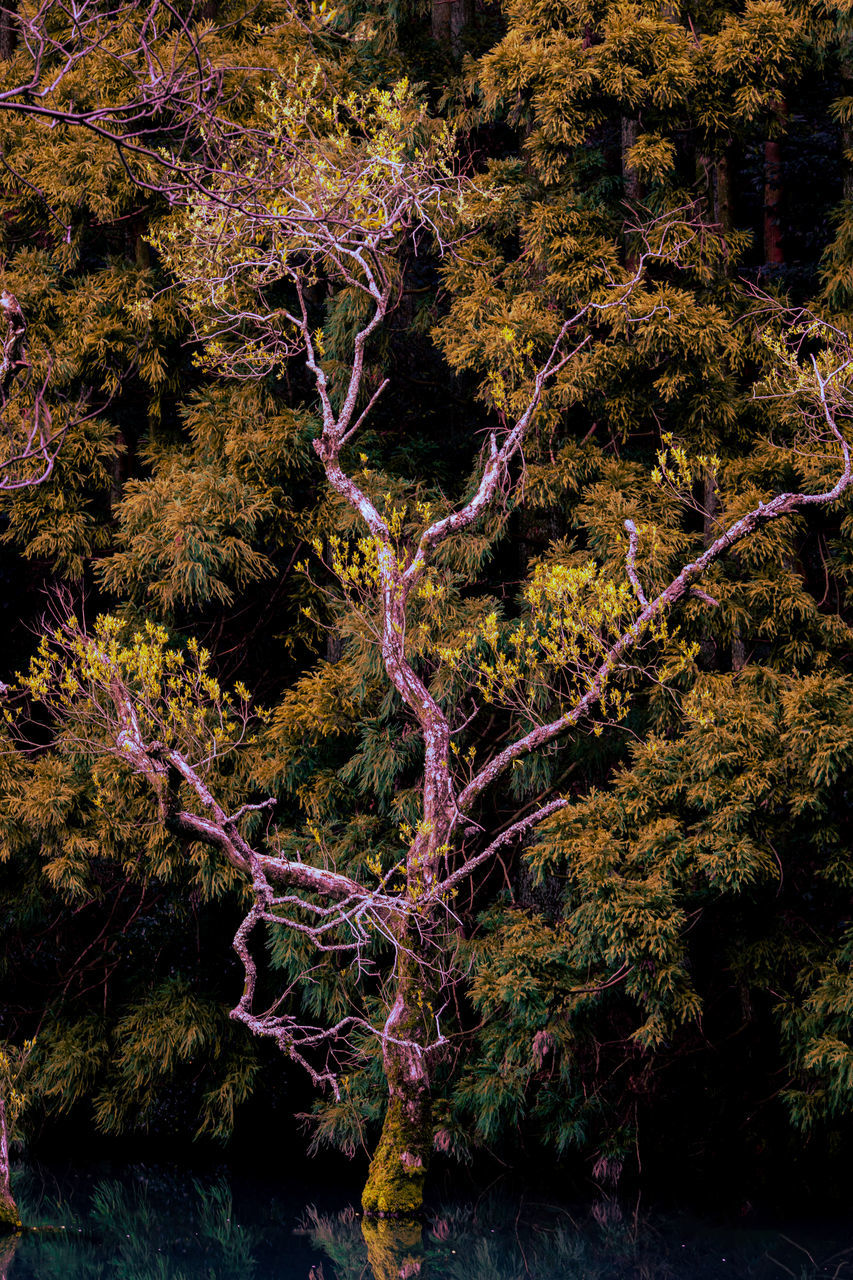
(8, 1247)
(152, 1225)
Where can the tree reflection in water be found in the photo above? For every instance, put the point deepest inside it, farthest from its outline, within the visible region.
(151, 1225)
(8, 1247)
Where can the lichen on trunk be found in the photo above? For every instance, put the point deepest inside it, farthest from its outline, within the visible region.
(10, 1218)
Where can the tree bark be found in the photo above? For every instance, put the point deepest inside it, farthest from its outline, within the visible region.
(723, 192)
(630, 177)
(449, 20)
(395, 1181)
(10, 1218)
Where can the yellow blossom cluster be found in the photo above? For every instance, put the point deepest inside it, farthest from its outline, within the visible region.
(561, 648)
(128, 684)
(355, 565)
(681, 471)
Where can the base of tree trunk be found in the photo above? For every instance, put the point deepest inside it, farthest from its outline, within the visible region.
(395, 1182)
(10, 1218)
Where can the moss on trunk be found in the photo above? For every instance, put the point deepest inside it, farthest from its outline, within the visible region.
(10, 1218)
(395, 1183)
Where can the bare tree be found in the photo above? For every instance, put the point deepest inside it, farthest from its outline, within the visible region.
(327, 190)
(344, 209)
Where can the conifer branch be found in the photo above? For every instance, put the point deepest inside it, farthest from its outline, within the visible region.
(31, 442)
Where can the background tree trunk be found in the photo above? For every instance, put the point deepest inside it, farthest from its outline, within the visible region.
(449, 20)
(630, 177)
(774, 253)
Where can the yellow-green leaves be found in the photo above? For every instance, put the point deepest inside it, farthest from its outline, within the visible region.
(123, 688)
(561, 649)
(326, 186)
(14, 1061)
(680, 470)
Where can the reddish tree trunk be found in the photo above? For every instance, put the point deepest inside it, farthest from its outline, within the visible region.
(449, 20)
(723, 192)
(774, 253)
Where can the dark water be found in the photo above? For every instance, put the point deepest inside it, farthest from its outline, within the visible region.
(152, 1224)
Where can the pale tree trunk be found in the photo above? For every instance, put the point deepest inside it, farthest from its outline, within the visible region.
(399, 1166)
(10, 1218)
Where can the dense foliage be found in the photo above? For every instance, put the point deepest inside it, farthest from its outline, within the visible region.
(671, 955)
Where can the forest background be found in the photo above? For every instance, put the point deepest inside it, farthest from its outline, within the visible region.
(660, 978)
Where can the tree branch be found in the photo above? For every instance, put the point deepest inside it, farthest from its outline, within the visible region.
(445, 886)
